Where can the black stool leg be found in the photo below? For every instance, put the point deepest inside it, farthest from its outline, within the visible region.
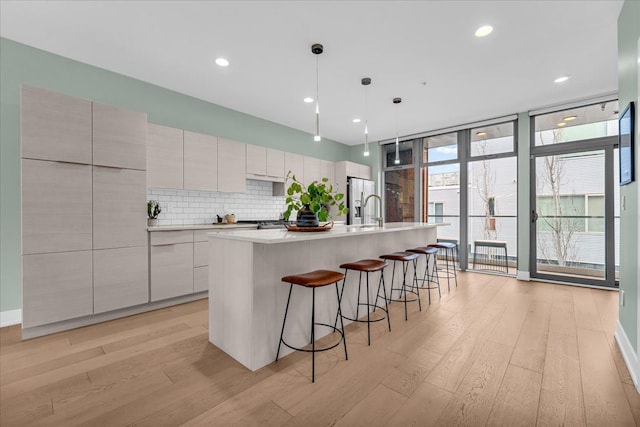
(415, 282)
(344, 336)
(457, 256)
(405, 267)
(286, 310)
(368, 311)
(384, 294)
(340, 295)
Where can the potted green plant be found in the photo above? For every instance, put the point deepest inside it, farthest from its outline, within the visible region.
(312, 202)
(153, 210)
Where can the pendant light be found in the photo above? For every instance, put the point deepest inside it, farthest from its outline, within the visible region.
(397, 101)
(366, 82)
(317, 49)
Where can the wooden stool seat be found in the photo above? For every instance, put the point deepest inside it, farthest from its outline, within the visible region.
(424, 250)
(400, 256)
(368, 265)
(315, 278)
(443, 245)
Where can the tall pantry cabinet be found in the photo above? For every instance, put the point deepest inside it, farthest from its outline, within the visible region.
(83, 216)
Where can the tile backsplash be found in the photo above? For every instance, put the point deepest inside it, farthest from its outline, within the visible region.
(186, 207)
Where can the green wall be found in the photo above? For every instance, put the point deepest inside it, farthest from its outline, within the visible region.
(22, 64)
(628, 35)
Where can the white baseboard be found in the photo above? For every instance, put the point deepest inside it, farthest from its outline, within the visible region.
(523, 275)
(628, 354)
(10, 317)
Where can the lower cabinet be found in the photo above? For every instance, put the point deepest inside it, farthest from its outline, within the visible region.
(171, 255)
(201, 278)
(56, 286)
(120, 278)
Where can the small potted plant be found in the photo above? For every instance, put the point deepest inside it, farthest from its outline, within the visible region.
(312, 202)
(153, 210)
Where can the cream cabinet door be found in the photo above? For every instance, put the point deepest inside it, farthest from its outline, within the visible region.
(201, 279)
(165, 157)
(119, 208)
(327, 170)
(55, 126)
(311, 170)
(231, 166)
(56, 287)
(56, 207)
(200, 162)
(365, 171)
(119, 137)
(256, 160)
(171, 270)
(120, 278)
(294, 164)
(200, 254)
(275, 164)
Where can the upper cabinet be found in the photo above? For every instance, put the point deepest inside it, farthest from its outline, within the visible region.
(55, 126)
(345, 169)
(275, 165)
(265, 164)
(165, 156)
(232, 166)
(119, 137)
(311, 170)
(327, 170)
(200, 162)
(294, 164)
(256, 161)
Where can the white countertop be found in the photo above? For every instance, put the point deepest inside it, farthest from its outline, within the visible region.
(284, 236)
(217, 227)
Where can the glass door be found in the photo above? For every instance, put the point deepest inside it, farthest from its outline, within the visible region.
(574, 195)
(569, 218)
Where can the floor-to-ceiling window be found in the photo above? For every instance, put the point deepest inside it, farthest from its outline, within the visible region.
(440, 184)
(467, 180)
(492, 190)
(575, 216)
(399, 181)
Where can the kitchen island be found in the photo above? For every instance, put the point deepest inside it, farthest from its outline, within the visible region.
(247, 298)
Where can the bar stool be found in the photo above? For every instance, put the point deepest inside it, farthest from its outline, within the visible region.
(367, 266)
(429, 281)
(450, 251)
(405, 258)
(313, 280)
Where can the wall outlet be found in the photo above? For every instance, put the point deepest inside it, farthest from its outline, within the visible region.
(621, 297)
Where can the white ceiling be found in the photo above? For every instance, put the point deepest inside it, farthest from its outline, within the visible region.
(399, 44)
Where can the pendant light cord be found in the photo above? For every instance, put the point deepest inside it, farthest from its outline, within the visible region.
(317, 100)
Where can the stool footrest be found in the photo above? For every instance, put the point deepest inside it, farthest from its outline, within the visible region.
(335, 329)
(401, 299)
(376, 307)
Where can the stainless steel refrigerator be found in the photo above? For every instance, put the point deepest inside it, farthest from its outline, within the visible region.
(357, 192)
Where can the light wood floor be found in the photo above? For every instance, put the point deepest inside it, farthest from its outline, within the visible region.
(493, 352)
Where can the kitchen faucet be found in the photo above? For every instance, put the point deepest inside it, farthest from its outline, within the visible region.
(380, 218)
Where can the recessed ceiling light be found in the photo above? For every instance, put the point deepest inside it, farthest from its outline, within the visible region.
(484, 31)
(308, 100)
(481, 133)
(356, 120)
(569, 118)
(222, 62)
(562, 124)
(561, 79)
